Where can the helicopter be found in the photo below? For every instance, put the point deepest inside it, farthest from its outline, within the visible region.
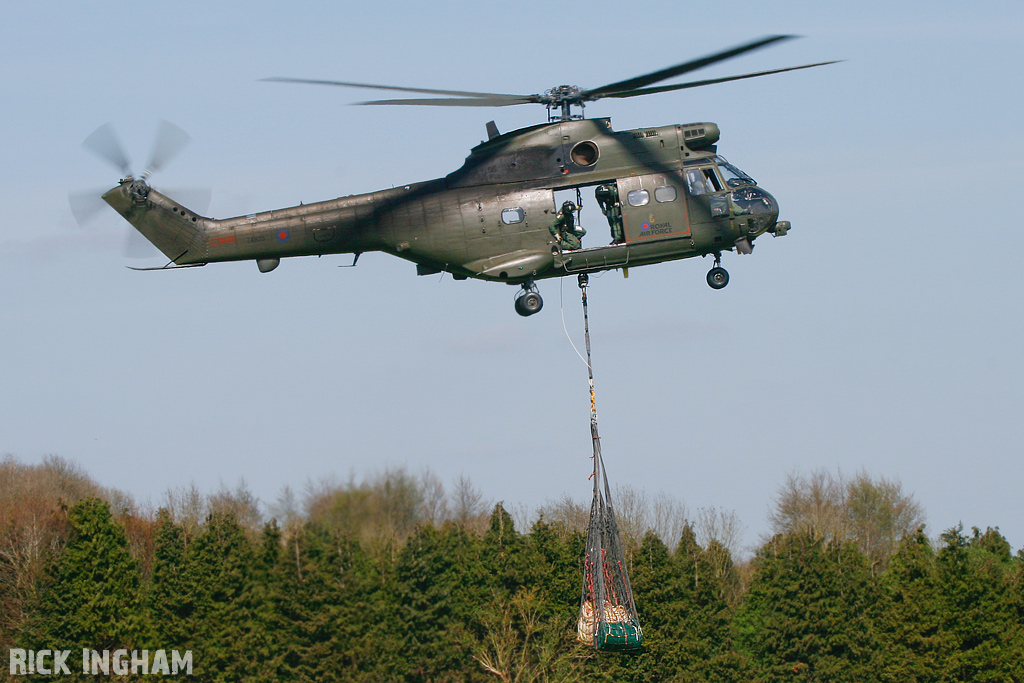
(665, 193)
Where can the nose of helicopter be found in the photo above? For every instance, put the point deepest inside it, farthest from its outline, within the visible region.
(756, 209)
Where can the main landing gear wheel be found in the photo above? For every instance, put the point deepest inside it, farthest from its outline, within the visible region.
(718, 277)
(529, 302)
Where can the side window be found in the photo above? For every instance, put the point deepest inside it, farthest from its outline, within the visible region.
(665, 193)
(510, 216)
(695, 182)
(712, 179)
(638, 198)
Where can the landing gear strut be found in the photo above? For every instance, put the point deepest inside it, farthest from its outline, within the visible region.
(528, 300)
(718, 276)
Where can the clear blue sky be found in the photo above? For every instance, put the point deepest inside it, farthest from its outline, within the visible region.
(883, 333)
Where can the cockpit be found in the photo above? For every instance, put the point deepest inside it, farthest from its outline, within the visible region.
(731, 191)
(707, 176)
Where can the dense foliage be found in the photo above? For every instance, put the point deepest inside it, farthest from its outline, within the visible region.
(365, 586)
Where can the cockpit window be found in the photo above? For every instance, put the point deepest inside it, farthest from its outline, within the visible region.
(734, 177)
(695, 182)
(712, 178)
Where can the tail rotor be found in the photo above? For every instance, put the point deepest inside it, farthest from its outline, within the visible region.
(104, 143)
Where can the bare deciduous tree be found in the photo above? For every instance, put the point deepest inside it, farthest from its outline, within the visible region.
(187, 507)
(519, 646)
(33, 503)
(719, 526)
(434, 505)
(879, 515)
(566, 515)
(668, 518)
(633, 513)
(239, 502)
(873, 513)
(469, 509)
(812, 505)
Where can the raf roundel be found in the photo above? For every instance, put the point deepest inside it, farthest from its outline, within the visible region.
(283, 235)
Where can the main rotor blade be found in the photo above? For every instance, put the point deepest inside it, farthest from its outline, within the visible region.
(679, 69)
(104, 143)
(170, 140)
(710, 81)
(425, 91)
(462, 101)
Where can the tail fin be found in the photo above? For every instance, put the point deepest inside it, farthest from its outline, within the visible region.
(177, 232)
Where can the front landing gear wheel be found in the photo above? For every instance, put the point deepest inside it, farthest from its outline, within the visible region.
(529, 302)
(718, 277)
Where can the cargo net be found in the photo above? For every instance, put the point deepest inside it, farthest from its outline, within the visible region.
(608, 618)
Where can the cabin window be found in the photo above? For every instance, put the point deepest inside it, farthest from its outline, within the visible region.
(510, 216)
(638, 198)
(665, 193)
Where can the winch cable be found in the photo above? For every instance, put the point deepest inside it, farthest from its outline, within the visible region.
(583, 282)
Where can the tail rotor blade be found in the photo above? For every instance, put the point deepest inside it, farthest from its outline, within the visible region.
(85, 206)
(104, 144)
(170, 140)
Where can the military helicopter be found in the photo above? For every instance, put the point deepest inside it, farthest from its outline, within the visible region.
(665, 192)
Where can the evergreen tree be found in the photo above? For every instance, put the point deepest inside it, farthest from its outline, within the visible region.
(503, 554)
(806, 615)
(975, 607)
(661, 601)
(1015, 601)
(441, 588)
(321, 610)
(703, 629)
(554, 568)
(265, 643)
(218, 570)
(910, 619)
(91, 596)
(170, 597)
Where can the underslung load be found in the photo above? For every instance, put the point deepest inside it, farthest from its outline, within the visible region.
(608, 618)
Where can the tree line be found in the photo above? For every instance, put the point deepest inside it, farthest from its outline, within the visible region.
(396, 579)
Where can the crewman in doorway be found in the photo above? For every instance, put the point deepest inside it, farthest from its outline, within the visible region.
(608, 199)
(565, 229)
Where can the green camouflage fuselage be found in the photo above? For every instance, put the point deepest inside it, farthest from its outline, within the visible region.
(491, 219)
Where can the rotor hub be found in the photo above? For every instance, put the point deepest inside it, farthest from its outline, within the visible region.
(139, 190)
(562, 98)
(563, 93)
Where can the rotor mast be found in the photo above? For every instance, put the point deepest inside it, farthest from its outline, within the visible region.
(562, 98)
